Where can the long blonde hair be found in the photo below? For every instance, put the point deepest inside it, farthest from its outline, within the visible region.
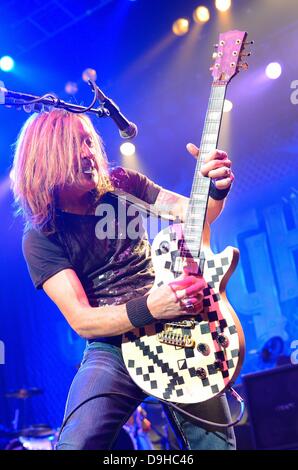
(47, 157)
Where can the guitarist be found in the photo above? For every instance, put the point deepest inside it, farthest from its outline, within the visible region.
(101, 285)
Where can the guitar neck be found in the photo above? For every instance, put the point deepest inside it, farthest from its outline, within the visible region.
(198, 202)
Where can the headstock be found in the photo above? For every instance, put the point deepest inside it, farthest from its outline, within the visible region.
(230, 50)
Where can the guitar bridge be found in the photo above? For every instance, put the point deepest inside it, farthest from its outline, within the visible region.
(182, 340)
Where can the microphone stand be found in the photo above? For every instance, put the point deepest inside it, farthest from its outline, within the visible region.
(50, 100)
(107, 108)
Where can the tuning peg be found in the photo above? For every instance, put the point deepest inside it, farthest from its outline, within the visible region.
(245, 54)
(249, 42)
(215, 46)
(214, 55)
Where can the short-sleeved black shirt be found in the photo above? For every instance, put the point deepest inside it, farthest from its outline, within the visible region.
(112, 270)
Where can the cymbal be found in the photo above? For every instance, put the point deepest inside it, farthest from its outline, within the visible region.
(35, 430)
(24, 393)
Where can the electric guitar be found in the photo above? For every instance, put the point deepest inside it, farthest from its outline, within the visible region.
(194, 359)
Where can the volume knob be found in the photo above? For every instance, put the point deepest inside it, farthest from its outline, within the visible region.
(223, 341)
(201, 372)
(204, 349)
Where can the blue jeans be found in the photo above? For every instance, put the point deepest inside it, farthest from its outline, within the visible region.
(94, 416)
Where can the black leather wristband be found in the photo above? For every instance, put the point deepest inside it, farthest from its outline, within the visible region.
(138, 312)
(218, 194)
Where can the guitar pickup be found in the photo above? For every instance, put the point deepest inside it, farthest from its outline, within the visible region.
(180, 324)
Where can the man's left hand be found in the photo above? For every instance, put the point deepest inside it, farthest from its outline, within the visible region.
(216, 166)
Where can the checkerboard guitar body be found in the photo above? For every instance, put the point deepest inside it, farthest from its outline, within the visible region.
(189, 374)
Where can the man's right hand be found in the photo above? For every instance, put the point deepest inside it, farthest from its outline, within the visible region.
(171, 300)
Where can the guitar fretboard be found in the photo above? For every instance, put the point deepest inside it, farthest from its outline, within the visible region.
(200, 188)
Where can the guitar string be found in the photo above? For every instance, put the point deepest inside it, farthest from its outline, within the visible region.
(198, 185)
(201, 184)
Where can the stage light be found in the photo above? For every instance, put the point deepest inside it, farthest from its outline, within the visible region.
(180, 26)
(228, 106)
(273, 70)
(71, 88)
(127, 149)
(201, 14)
(89, 74)
(223, 5)
(6, 63)
(12, 175)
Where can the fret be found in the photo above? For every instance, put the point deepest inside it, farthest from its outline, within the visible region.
(202, 190)
(206, 148)
(197, 207)
(198, 216)
(199, 197)
(211, 127)
(191, 247)
(213, 116)
(191, 228)
(199, 178)
(193, 252)
(197, 210)
(209, 138)
(195, 217)
(199, 192)
(200, 184)
(194, 226)
(197, 213)
(190, 237)
(191, 232)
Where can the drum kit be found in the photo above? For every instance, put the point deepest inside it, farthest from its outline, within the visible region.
(33, 437)
(146, 429)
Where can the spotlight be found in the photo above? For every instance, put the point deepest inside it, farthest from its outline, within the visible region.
(12, 175)
(127, 149)
(223, 5)
(180, 27)
(6, 63)
(228, 106)
(71, 88)
(273, 70)
(89, 74)
(201, 15)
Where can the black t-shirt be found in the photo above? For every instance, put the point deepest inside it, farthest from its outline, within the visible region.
(111, 269)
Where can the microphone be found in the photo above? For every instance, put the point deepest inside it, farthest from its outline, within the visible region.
(127, 129)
